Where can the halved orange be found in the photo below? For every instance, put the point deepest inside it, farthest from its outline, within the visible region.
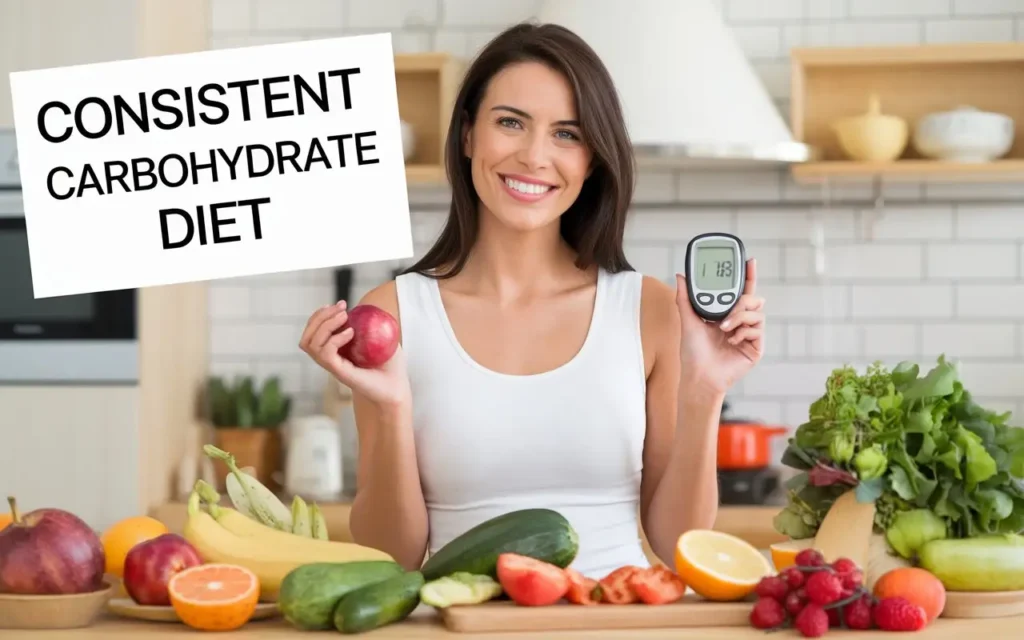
(720, 566)
(784, 553)
(214, 597)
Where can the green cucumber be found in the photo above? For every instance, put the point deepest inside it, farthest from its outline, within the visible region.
(459, 588)
(537, 533)
(379, 604)
(989, 562)
(310, 593)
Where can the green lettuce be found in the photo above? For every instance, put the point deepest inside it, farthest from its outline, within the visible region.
(907, 442)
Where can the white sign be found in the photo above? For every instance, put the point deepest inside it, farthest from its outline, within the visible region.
(211, 165)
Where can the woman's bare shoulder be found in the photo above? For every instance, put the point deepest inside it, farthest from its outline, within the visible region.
(659, 320)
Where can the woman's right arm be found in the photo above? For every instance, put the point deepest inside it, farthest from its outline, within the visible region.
(389, 512)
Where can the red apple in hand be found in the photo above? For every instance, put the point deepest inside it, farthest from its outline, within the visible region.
(150, 565)
(375, 337)
(49, 552)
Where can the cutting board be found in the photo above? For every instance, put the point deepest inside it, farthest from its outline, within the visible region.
(504, 615)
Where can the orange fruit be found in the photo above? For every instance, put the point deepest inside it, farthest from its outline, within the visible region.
(919, 586)
(719, 566)
(214, 597)
(784, 553)
(119, 539)
(5, 519)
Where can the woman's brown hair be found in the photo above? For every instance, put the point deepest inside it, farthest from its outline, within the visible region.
(594, 225)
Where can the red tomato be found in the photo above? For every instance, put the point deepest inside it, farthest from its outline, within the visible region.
(657, 585)
(615, 587)
(582, 590)
(531, 582)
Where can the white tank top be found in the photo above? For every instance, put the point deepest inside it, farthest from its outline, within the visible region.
(569, 439)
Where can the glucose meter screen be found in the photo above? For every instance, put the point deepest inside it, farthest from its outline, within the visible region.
(716, 268)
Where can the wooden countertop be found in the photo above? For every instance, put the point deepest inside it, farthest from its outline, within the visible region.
(425, 625)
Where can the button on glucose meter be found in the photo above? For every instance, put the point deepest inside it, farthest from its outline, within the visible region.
(715, 274)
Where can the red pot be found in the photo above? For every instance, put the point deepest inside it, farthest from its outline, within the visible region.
(746, 445)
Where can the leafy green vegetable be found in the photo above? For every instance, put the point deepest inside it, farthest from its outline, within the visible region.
(909, 443)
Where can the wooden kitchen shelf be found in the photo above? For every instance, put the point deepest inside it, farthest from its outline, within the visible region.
(427, 83)
(911, 81)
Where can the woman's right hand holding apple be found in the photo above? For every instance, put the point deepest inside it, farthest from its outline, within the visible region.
(386, 385)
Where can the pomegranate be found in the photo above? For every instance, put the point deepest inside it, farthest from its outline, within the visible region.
(375, 337)
(49, 552)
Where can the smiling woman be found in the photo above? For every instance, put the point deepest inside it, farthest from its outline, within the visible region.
(536, 367)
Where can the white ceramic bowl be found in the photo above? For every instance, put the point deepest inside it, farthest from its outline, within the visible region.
(965, 134)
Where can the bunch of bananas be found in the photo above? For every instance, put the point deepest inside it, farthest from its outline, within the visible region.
(226, 535)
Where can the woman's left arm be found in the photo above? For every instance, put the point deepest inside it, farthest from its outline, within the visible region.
(693, 365)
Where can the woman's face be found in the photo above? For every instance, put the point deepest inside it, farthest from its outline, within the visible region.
(527, 155)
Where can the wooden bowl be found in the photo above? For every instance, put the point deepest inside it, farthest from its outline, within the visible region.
(53, 612)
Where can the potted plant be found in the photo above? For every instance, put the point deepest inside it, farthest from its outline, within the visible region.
(246, 423)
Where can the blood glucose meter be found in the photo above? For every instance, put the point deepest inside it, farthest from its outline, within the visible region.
(715, 274)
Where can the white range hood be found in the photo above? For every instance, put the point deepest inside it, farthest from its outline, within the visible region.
(690, 96)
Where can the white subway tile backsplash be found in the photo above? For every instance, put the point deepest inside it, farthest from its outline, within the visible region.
(990, 222)
(876, 33)
(452, 41)
(651, 260)
(230, 15)
(655, 186)
(969, 30)
(392, 14)
(990, 301)
(911, 223)
(797, 224)
(969, 340)
(834, 340)
(759, 41)
(720, 186)
(677, 226)
(858, 262)
(292, 302)
(228, 302)
(754, 410)
(987, 7)
(309, 15)
(768, 259)
(903, 8)
(834, 10)
(764, 10)
(235, 339)
(968, 191)
(473, 13)
(805, 302)
(972, 261)
(902, 301)
(783, 379)
(775, 76)
(898, 340)
(984, 378)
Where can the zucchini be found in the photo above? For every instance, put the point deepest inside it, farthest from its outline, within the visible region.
(543, 534)
(989, 562)
(310, 593)
(459, 588)
(379, 604)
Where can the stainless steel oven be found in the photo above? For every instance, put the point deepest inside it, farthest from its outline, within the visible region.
(87, 338)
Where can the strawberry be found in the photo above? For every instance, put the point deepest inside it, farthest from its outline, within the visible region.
(812, 622)
(794, 577)
(772, 587)
(824, 587)
(767, 613)
(852, 580)
(795, 602)
(858, 613)
(899, 614)
(810, 558)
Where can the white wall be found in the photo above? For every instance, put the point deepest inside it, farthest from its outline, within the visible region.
(943, 274)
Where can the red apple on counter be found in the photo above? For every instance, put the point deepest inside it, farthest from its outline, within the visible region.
(150, 565)
(375, 337)
(49, 552)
